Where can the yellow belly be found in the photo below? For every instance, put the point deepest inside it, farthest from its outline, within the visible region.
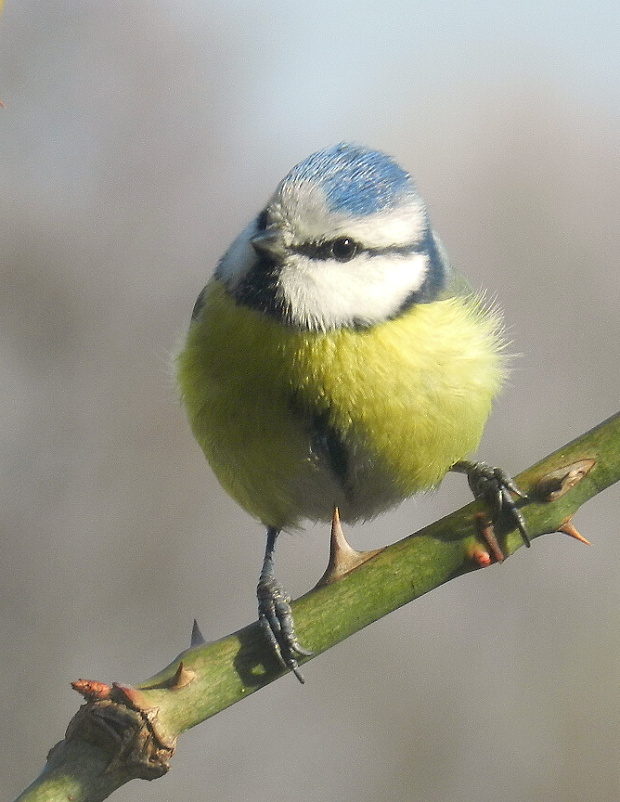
(408, 398)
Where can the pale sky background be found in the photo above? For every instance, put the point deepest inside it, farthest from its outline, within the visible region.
(137, 138)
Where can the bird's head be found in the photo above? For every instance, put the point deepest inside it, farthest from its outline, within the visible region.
(344, 241)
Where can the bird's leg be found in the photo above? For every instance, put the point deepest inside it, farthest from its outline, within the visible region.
(274, 612)
(494, 486)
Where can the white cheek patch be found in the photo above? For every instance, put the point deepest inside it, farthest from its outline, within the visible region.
(326, 294)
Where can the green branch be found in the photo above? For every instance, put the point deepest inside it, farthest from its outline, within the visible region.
(123, 732)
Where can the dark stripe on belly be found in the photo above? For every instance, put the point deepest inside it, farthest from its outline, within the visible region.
(327, 444)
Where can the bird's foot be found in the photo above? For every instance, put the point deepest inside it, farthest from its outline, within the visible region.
(276, 619)
(494, 486)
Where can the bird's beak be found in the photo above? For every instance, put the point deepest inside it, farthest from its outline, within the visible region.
(267, 243)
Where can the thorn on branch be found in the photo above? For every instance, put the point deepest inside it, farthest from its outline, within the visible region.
(197, 638)
(568, 529)
(182, 677)
(342, 557)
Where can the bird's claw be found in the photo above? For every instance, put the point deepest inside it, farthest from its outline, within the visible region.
(276, 620)
(494, 486)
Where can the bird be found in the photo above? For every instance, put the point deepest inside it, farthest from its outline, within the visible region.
(335, 359)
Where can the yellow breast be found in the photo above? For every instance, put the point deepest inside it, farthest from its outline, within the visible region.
(406, 398)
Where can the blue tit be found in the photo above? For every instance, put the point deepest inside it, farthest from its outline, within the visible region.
(335, 359)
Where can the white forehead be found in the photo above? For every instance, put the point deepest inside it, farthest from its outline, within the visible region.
(301, 210)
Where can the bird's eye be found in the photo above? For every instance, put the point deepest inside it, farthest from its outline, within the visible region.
(343, 249)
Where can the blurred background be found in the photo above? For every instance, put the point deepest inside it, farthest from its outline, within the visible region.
(137, 139)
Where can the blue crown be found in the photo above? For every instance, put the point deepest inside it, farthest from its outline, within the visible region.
(355, 179)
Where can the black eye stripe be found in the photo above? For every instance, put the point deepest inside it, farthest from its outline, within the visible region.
(324, 250)
(262, 288)
(342, 249)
